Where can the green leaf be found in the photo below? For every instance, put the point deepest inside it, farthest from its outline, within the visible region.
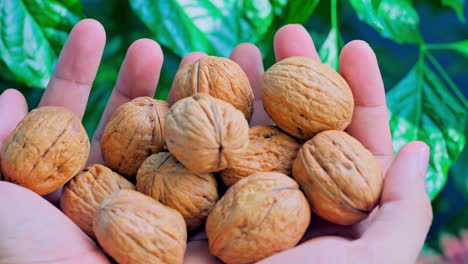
(366, 12)
(34, 35)
(423, 109)
(214, 27)
(330, 49)
(394, 19)
(457, 5)
(400, 21)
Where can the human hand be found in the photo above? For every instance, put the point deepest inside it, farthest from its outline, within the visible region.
(394, 232)
(31, 228)
(62, 241)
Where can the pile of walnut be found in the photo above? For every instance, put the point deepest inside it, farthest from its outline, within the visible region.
(179, 155)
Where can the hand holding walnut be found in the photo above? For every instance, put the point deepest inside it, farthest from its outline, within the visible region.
(402, 209)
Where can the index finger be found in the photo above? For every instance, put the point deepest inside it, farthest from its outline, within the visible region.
(294, 40)
(76, 68)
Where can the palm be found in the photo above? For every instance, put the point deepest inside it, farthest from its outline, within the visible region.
(139, 75)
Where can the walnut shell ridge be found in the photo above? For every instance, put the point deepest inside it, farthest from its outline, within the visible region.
(220, 77)
(192, 194)
(206, 134)
(134, 132)
(340, 177)
(83, 194)
(47, 148)
(269, 150)
(258, 216)
(134, 228)
(304, 97)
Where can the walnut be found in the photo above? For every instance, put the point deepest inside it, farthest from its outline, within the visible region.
(222, 78)
(258, 216)
(135, 228)
(192, 194)
(206, 134)
(134, 132)
(340, 177)
(269, 150)
(47, 148)
(304, 97)
(83, 194)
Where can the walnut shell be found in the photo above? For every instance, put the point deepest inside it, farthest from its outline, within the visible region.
(192, 194)
(340, 177)
(134, 228)
(269, 150)
(258, 216)
(47, 148)
(83, 194)
(304, 97)
(222, 78)
(134, 132)
(206, 134)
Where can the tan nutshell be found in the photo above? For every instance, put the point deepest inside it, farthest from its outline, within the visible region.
(269, 150)
(192, 194)
(134, 228)
(134, 132)
(222, 78)
(47, 148)
(304, 97)
(258, 216)
(206, 134)
(83, 194)
(340, 177)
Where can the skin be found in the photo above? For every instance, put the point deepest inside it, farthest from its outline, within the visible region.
(394, 233)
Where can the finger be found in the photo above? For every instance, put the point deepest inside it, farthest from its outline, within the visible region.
(189, 58)
(404, 217)
(76, 67)
(13, 108)
(294, 40)
(248, 56)
(358, 65)
(138, 76)
(45, 236)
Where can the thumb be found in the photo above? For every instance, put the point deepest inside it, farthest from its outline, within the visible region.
(398, 231)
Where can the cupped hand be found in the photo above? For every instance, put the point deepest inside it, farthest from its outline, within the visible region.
(34, 230)
(31, 228)
(394, 232)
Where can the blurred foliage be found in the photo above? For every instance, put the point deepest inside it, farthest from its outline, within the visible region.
(422, 47)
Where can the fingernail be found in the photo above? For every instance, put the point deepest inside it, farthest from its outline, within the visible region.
(423, 159)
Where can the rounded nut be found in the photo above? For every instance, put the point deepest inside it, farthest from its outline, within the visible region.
(135, 228)
(83, 194)
(206, 134)
(340, 177)
(47, 148)
(304, 97)
(258, 216)
(192, 194)
(269, 150)
(222, 78)
(134, 132)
